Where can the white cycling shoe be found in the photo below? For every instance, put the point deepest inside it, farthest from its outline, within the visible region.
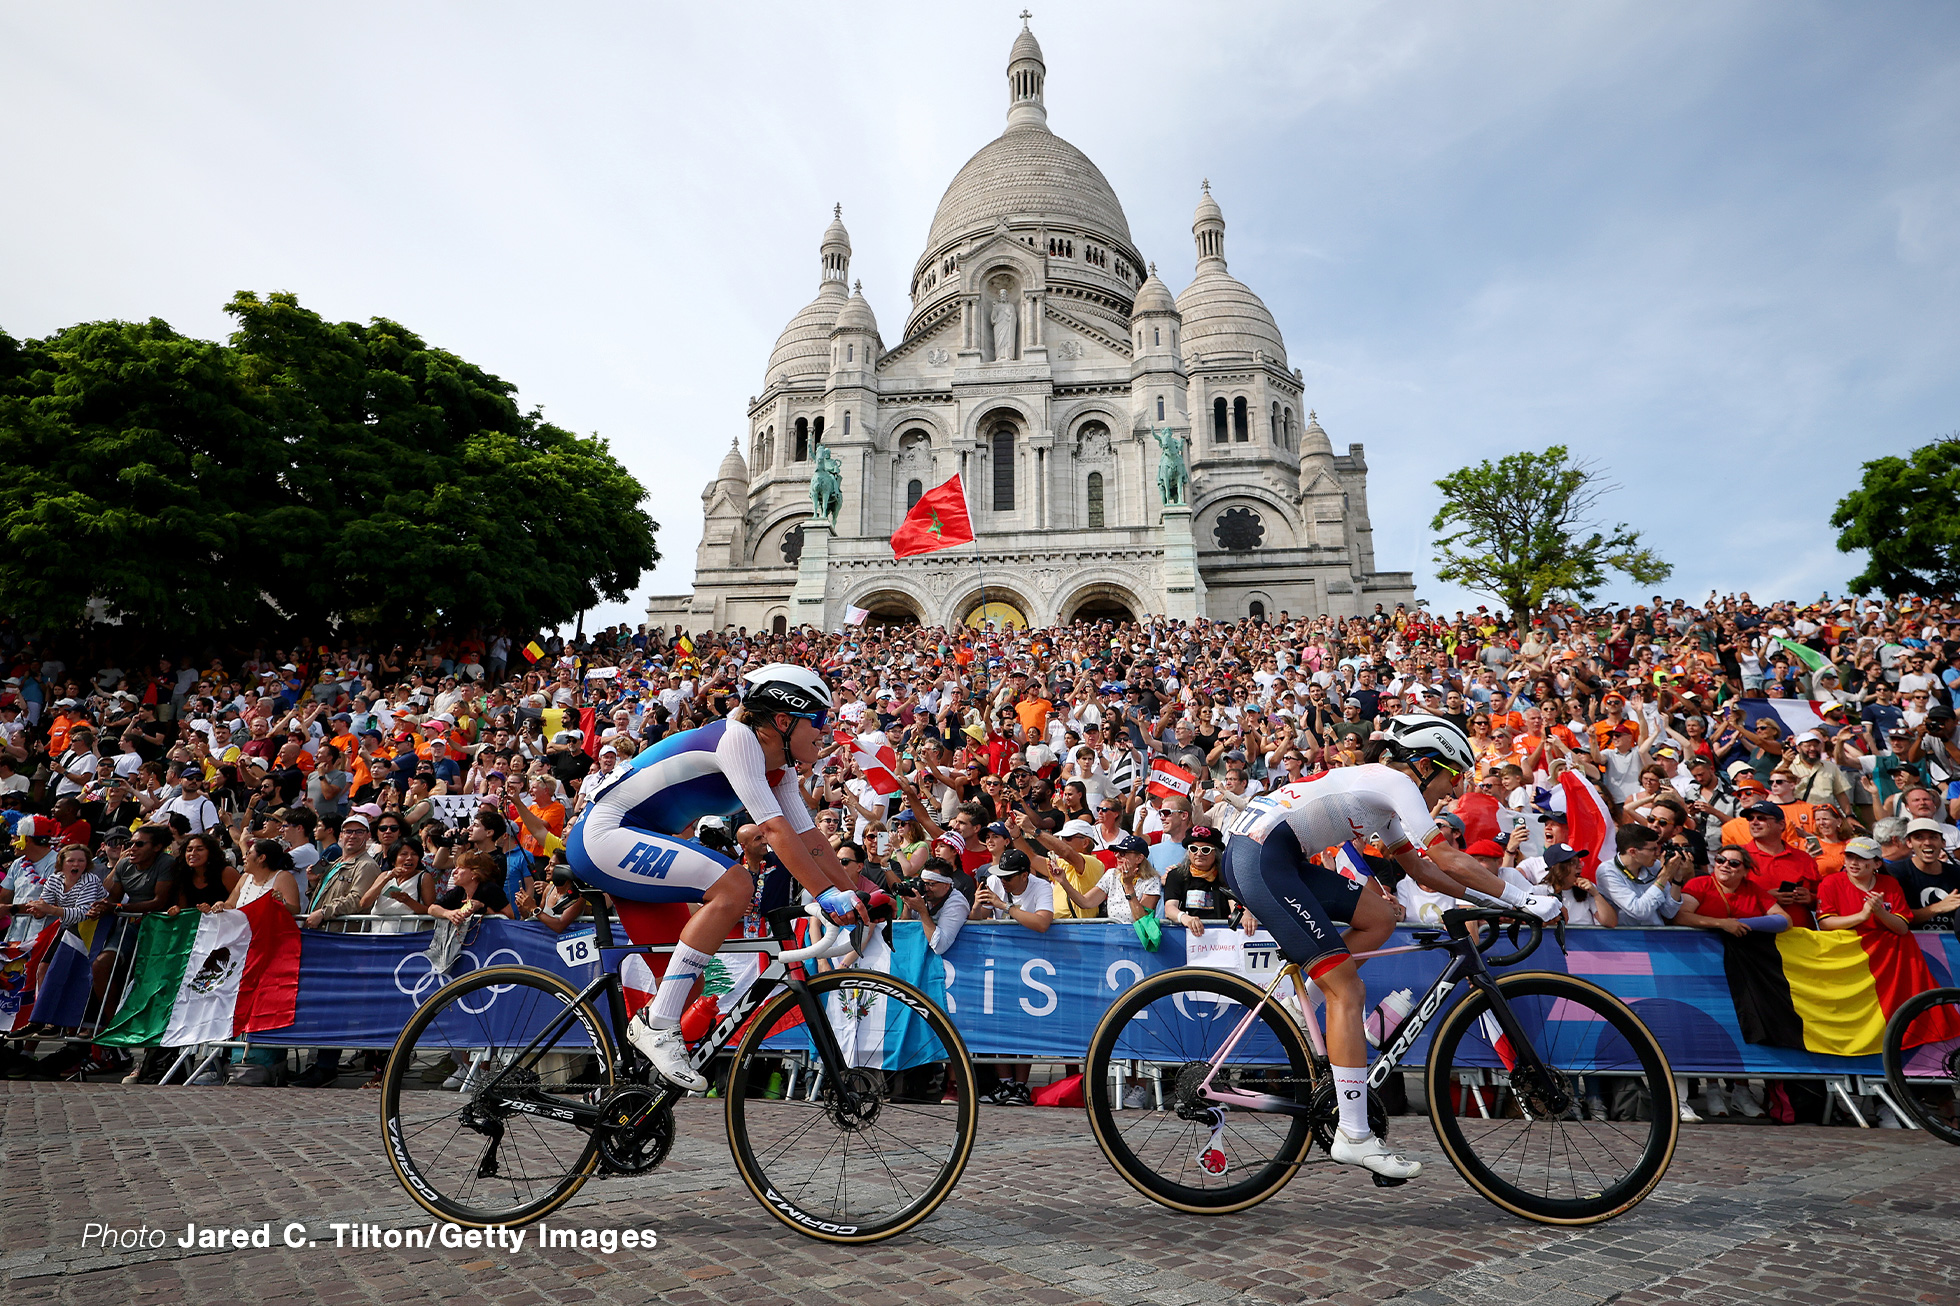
(668, 1053)
(1371, 1153)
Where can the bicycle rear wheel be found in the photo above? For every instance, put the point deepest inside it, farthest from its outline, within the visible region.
(448, 1116)
(1152, 1124)
(869, 1152)
(1527, 1146)
(1922, 1061)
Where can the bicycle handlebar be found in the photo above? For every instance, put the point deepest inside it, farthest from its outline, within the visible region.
(836, 940)
(1456, 920)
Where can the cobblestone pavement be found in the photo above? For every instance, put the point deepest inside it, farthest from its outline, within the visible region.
(1746, 1214)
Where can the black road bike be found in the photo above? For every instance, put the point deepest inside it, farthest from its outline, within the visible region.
(1207, 1094)
(509, 1089)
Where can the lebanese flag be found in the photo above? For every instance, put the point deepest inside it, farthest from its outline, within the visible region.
(878, 760)
(1588, 821)
(1169, 780)
(937, 521)
(200, 979)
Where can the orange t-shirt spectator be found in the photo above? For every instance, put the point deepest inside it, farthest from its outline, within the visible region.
(1032, 712)
(545, 806)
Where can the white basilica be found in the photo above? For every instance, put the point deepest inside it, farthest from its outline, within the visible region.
(1040, 354)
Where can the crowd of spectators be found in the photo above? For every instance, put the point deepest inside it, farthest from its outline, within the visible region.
(326, 772)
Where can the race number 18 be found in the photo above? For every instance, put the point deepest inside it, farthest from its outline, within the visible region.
(580, 951)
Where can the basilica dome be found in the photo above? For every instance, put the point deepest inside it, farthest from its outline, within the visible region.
(1024, 173)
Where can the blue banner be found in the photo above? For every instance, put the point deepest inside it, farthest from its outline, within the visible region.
(1015, 993)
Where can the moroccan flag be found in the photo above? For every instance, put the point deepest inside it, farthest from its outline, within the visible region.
(533, 651)
(1819, 990)
(937, 521)
(200, 978)
(1169, 780)
(588, 724)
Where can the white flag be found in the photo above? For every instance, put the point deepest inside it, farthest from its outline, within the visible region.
(855, 616)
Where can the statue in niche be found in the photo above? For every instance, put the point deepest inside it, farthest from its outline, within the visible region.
(1001, 324)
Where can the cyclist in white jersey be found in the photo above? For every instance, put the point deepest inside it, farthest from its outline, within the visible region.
(629, 840)
(1267, 864)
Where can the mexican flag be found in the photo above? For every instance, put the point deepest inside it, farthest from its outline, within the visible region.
(200, 978)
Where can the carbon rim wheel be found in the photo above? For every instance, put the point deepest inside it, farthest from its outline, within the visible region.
(861, 1156)
(1922, 1061)
(1528, 1146)
(447, 1123)
(1152, 1125)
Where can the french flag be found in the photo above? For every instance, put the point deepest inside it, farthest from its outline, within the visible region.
(1795, 715)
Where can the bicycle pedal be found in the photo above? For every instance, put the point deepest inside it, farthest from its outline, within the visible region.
(1383, 1181)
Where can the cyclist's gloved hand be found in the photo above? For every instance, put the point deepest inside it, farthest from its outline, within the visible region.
(1545, 909)
(839, 906)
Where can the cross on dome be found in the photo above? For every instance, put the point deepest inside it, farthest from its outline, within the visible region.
(1025, 15)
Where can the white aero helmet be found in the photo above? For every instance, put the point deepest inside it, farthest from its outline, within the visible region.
(785, 687)
(1418, 735)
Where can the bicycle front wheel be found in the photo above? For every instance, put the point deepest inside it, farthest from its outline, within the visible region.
(453, 1094)
(862, 1151)
(1922, 1061)
(1526, 1142)
(1142, 1077)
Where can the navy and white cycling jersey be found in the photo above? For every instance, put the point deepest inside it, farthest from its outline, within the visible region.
(627, 841)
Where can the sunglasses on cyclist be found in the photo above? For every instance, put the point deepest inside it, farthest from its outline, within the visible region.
(817, 719)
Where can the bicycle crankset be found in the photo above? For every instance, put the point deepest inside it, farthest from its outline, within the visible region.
(634, 1132)
(1326, 1117)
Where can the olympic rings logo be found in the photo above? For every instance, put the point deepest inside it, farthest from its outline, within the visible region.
(429, 980)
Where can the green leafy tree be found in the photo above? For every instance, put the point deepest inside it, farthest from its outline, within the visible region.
(305, 471)
(1905, 514)
(1520, 530)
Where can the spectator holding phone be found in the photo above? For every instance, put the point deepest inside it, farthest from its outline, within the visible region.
(1787, 874)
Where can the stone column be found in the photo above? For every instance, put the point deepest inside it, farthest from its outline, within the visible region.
(1184, 591)
(809, 601)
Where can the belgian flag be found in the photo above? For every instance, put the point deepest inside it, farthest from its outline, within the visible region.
(1825, 990)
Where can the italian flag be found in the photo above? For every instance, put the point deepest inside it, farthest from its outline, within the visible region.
(199, 978)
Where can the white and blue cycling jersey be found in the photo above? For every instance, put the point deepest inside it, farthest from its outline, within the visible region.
(628, 841)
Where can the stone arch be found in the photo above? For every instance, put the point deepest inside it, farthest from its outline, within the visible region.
(891, 603)
(991, 590)
(1093, 599)
(1258, 605)
(776, 621)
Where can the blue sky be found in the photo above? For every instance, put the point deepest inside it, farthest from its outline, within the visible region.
(1714, 248)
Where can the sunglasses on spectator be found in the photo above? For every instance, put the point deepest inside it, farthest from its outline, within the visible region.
(1730, 861)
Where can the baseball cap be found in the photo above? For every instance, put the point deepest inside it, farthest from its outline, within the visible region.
(1078, 828)
(1000, 828)
(1485, 848)
(116, 834)
(1452, 820)
(356, 818)
(1810, 737)
(1864, 846)
(1925, 825)
(1769, 811)
(1131, 843)
(1559, 853)
(1013, 862)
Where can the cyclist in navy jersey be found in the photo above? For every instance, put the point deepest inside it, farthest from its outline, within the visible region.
(630, 841)
(1269, 866)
